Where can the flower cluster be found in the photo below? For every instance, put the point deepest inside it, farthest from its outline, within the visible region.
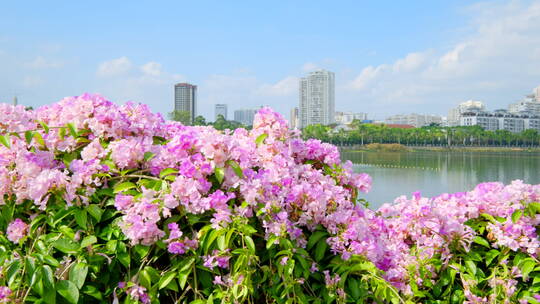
(162, 181)
(16, 230)
(5, 293)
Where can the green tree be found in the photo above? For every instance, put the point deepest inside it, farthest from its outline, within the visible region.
(182, 116)
(199, 121)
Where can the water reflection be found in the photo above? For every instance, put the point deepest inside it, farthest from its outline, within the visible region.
(433, 173)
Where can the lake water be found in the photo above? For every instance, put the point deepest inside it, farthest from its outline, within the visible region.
(433, 173)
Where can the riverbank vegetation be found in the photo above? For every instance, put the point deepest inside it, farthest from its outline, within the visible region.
(105, 203)
(363, 134)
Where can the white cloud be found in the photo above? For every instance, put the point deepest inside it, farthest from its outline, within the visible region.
(114, 67)
(151, 68)
(150, 83)
(309, 66)
(498, 61)
(284, 87)
(41, 63)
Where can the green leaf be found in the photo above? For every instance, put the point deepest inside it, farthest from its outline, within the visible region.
(471, 266)
(88, 240)
(92, 291)
(72, 130)
(250, 244)
(261, 139)
(166, 279)
(271, 241)
(516, 215)
(526, 266)
(220, 174)
(124, 186)
(62, 133)
(44, 126)
(314, 238)
(489, 217)
(144, 279)
(481, 241)
(81, 218)
(12, 272)
(182, 279)
(236, 168)
(320, 250)
(39, 139)
(148, 156)
(68, 290)
(535, 206)
(77, 274)
(5, 140)
(48, 276)
(66, 245)
(28, 135)
(95, 211)
(491, 255)
(167, 171)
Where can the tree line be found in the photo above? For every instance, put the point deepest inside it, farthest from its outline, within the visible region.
(220, 124)
(434, 135)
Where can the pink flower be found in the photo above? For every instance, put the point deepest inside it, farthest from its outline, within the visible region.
(138, 293)
(16, 230)
(5, 293)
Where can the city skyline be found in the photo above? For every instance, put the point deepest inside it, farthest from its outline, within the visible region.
(388, 57)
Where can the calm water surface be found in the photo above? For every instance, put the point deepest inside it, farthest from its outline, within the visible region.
(433, 173)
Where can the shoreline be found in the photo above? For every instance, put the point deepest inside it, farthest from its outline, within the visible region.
(402, 148)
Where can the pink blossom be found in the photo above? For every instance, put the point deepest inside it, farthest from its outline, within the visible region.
(16, 230)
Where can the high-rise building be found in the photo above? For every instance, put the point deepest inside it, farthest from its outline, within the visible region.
(317, 98)
(294, 118)
(536, 93)
(220, 109)
(454, 115)
(185, 99)
(245, 116)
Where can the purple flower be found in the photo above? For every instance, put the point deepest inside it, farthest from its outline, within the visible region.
(5, 293)
(16, 230)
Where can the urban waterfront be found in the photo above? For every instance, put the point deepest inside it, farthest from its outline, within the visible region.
(433, 173)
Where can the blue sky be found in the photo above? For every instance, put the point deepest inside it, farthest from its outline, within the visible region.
(389, 56)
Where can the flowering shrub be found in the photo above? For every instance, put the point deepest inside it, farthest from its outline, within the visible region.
(107, 203)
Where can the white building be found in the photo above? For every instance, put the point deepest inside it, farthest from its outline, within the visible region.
(536, 93)
(417, 120)
(185, 99)
(317, 98)
(486, 120)
(220, 109)
(348, 117)
(500, 120)
(245, 116)
(528, 105)
(454, 114)
(293, 123)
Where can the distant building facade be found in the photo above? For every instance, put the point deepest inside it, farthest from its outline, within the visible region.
(245, 116)
(416, 120)
(501, 120)
(317, 94)
(220, 109)
(185, 99)
(536, 93)
(454, 115)
(348, 117)
(293, 123)
(528, 105)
